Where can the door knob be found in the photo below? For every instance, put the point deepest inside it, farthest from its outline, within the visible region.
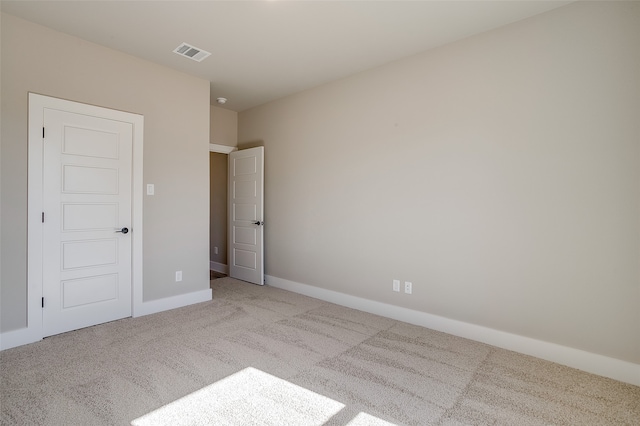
(257, 222)
(123, 230)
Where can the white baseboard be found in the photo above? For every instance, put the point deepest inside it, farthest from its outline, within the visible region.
(160, 305)
(22, 336)
(219, 267)
(601, 365)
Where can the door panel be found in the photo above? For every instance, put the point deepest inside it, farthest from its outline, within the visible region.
(89, 180)
(90, 143)
(84, 291)
(88, 253)
(245, 259)
(246, 210)
(245, 236)
(245, 166)
(89, 216)
(87, 171)
(244, 189)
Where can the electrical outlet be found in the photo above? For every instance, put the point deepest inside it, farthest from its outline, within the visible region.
(178, 276)
(407, 287)
(396, 285)
(215, 250)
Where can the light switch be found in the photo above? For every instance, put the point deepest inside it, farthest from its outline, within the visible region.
(150, 189)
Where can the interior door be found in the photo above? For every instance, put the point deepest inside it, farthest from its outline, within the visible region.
(246, 210)
(87, 168)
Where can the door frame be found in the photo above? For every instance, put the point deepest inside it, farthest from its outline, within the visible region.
(221, 149)
(37, 103)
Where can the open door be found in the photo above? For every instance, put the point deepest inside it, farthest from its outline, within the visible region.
(246, 210)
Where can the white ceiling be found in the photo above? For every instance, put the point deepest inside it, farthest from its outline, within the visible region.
(265, 50)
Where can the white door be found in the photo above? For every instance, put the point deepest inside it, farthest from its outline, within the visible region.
(87, 171)
(246, 209)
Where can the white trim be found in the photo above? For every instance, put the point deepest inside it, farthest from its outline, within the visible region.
(219, 267)
(37, 103)
(593, 363)
(222, 149)
(137, 197)
(13, 338)
(164, 304)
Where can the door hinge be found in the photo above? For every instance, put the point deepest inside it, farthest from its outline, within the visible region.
(43, 133)
(43, 302)
(42, 217)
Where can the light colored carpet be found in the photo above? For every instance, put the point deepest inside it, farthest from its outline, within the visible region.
(214, 275)
(378, 370)
(249, 396)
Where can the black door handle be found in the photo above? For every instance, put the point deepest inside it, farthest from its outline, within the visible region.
(124, 230)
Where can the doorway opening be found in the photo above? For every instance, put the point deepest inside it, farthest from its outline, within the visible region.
(218, 228)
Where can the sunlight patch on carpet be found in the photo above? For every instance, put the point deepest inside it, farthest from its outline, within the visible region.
(364, 419)
(247, 397)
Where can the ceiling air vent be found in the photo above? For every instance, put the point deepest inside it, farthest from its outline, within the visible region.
(191, 52)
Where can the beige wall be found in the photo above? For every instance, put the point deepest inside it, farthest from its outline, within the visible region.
(224, 126)
(218, 207)
(499, 174)
(176, 136)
